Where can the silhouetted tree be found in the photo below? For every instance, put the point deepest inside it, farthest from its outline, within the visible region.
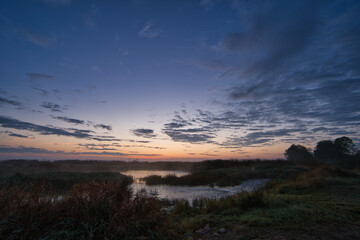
(298, 153)
(342, 152)
(346, 146)
(326, 151)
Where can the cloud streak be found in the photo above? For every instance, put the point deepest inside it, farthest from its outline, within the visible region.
(7, 122)
(149, 30)
(52, 106)
(143, 132)
(10, 102)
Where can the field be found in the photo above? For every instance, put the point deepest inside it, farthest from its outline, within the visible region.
(300, 202)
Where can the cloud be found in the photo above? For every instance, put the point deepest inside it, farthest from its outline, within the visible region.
(22, 149)
(38, 39)
(124, 51)
(149, 31)
(41, 91)
(298, 68)
(7, 122)
(15, 134)
(183, 135)
(52, 106)
(10, 102)
(182, 130)
(103, 126)
(143, 132)
(34, 150)
(207, 4)
(271, 39)
(106, 139)
(40, 76)
(89, 18)
(79, 121)
(258, 138)
(70, 120)
(96, 68)
(55, 3)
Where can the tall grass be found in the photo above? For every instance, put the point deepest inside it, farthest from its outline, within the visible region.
(230, 176)
(60, 182)
(88, 211)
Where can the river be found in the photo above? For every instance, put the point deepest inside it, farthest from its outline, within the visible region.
(185, 192)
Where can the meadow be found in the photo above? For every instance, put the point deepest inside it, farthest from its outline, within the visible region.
(301, 201)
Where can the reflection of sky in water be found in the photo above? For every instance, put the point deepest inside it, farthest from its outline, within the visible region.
(136, 174)
(189, 193)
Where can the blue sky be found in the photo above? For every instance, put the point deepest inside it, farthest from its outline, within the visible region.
(176, 80)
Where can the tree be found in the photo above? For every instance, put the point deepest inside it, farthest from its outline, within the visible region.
(342, 152)
(326, 151)
(346, 146)
(298, 153)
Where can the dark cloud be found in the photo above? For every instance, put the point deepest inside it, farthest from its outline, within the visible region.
(194, 135)
(273, 38)
(106, 139)
(41, 91)
(103, 126)
(15, 134)
(259, 138)
(40, 76)
(22, 149)
(7, 122)
(143, 132)
(298, 67)
(52, 106)
(101, 147)
(83, 122)
(33, 150)
(10, 102)
(70, 120)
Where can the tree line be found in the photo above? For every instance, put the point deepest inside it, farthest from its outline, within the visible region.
(342, 152)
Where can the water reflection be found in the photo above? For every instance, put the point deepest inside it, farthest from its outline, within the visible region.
(188, 193)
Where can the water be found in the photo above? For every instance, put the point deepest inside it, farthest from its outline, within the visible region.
(188, 193)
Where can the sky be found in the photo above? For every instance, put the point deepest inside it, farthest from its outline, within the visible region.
(176, 80)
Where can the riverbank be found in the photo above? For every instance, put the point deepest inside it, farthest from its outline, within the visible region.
(319, 204)
(231, 176)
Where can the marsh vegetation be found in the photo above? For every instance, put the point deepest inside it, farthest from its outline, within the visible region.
(304, 199)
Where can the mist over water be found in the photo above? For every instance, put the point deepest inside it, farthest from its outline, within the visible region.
(185, 192)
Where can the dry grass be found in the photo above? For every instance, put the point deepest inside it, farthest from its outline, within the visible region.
(87, 211)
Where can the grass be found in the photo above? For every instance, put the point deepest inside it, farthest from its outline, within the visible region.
(322, 203)
(88, 211)
(59, 182)
(304, 202)
(230, 176)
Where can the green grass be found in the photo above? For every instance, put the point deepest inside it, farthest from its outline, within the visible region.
(322, 203)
